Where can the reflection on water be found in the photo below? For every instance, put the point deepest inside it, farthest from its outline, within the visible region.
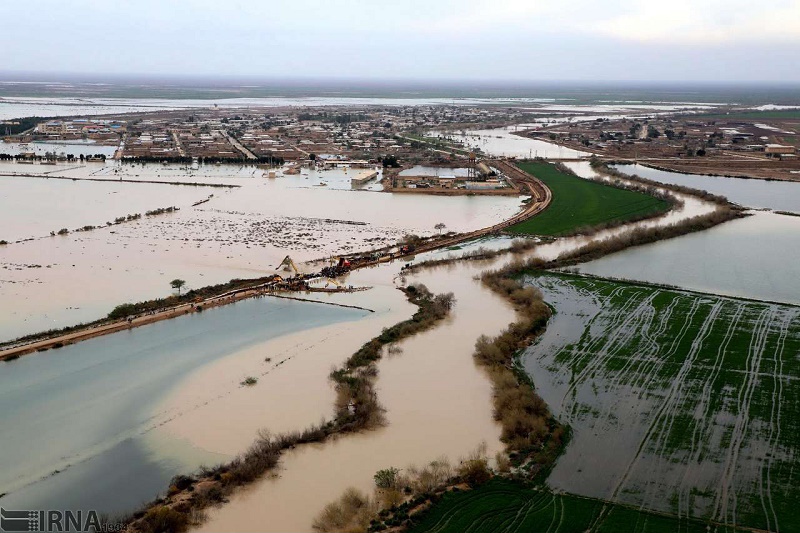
(778, 195)
(82, 406)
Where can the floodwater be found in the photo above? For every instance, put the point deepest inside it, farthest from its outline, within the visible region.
(68, 148)
(32, 208)
(502, 142)
(756, 257)
(242, 232)
(777, 195)
(425, 419)
(84, 415)
(421, 170)
(438, 403)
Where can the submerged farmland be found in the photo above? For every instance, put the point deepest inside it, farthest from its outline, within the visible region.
(689, 401)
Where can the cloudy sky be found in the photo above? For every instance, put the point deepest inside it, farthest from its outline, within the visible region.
(675, 40)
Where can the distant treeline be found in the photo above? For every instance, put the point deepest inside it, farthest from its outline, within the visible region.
(18, 125)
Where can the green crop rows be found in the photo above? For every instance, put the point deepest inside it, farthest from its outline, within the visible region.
(680, 402)
(503, 506)
(578, 203)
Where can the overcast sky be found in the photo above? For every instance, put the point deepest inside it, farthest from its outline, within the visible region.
(703, 40)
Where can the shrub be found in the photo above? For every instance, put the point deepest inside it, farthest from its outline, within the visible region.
(163, 518)
(475, 472)
(249, 381)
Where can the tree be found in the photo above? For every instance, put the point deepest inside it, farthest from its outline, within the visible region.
(387, 478)
(177, 284)
(390, 161)
(440, 226)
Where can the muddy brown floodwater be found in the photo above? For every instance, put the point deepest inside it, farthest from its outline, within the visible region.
(438, 402)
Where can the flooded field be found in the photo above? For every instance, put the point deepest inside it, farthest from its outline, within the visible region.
(688, 401)
(778, 195)
(99, 404)
(241, 232)
(503, 142)
(75, 148)
(756, 257)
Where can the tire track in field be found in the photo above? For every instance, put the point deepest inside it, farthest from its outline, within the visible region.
(651, 428)
(775, 420)
(614, 329)
(622, 377)
(653, 363)
(675, 399)
(706, 423)
(726, 501)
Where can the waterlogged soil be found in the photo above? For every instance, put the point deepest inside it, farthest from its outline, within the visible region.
(679, 402)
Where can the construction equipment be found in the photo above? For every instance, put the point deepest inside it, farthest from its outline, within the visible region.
(288, 265)
(328, 281)
(341, 267)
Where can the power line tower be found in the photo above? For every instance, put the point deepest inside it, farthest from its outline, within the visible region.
(472, 171)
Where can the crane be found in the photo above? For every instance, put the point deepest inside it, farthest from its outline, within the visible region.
(289, 265)
(336, 283)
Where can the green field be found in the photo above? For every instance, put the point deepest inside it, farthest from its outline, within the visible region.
(578, 203)
(503, 506)
(679, 402)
